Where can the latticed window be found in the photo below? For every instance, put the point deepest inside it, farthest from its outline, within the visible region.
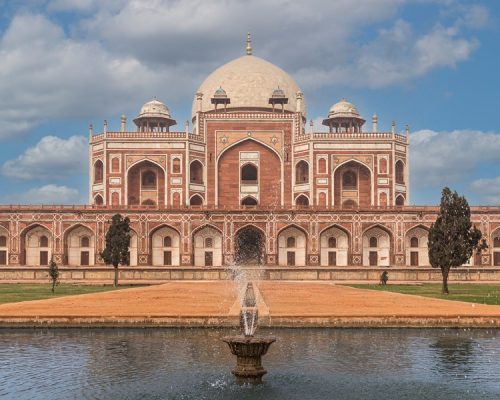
(209, 242)
(149, 179)
(44, 241)
(167, 241)
(332, 242)
(373, 242)
(496, 242)
(85, 241)
(3, 241)
(414, 242)
(290, 241)
(349, 180)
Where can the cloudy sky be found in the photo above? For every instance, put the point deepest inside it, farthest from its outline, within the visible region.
(431, 64)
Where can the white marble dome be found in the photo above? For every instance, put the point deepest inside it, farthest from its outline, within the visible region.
(343, 109)
(154, 109)
(249, 82)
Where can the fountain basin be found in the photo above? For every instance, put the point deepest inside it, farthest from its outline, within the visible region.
(249, 352)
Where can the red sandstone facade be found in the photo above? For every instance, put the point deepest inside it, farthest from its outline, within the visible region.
(250, 164)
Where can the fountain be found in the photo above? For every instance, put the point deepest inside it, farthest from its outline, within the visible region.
(248, 348)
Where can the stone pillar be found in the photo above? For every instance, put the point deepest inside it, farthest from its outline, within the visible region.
(123, 124)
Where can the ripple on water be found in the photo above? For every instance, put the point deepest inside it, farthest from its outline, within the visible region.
(302, 364)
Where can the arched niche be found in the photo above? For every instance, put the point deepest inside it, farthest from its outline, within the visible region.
(165, 246)
(352, 181)
(292, 247)
(146, 184)
(207, 243)
(376, 247)
(80, 246)
(417, 252)
(37, 246)
(334, 243)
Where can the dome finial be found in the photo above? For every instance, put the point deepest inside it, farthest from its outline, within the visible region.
(249, 44)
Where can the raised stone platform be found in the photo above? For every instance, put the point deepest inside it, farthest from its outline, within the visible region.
(164, 274)
(288, 304)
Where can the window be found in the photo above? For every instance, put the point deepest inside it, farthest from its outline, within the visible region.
(290, 241)
(98, 200)
(249, 173)
(349, 180)
(3, 241)
(149, 180)
(496, 242)
(332, 242)
(196, 172)
(196, 200)
(167, 241)
(400, 201)
(176, 166)
(400, 172)
(85, 241)
(302, 201)
(209, 242)
(302, 172)
(115, 165)
(98, 171)
(373, 242)
(44, 241)
(414, 242)
(248, 201)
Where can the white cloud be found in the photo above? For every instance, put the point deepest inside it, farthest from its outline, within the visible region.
(50, 159)
(488, 189)
(48, 194)
(444, 158)
(119, 53)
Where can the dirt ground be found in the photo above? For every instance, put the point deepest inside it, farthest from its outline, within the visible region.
(169, 299)
(325, 299)
(218, 299)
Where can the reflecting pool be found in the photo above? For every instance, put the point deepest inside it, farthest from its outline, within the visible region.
(302, 364)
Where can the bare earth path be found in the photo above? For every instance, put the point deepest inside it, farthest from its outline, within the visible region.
(280, 304)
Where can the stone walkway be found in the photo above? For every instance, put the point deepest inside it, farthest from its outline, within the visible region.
(216, 303)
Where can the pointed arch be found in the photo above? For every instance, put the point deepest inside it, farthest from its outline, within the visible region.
(381, 254)
(98, 171)
(399, 169)
(165, 252)
(207, 255)
(134, 175)
(196, 172)
(252, 139)
(32, 253)
(301, 172)
(400, 200)
(249, 201)
(98, 200)
(249, 245)
(196, 200)
(75, 254)
(353, 180)
(291, 256)
(302, 200)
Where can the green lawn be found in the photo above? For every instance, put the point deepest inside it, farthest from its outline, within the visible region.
(474, 293)
(12, 292)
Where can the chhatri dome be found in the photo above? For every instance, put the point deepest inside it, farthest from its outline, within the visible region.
(344, 109)
(249, 82)
(154, 116)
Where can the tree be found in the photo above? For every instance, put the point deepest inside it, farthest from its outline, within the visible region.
(452, 238)
(117, 243)
(53, 274)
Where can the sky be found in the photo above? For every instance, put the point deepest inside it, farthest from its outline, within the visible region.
(434, 65)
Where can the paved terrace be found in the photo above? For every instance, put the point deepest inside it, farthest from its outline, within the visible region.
(216, 303)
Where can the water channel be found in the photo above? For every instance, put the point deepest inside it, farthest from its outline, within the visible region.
(302, 364)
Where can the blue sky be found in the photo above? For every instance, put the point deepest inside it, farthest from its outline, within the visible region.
(430, 64)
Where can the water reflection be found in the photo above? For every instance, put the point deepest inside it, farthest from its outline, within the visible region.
(309, 364)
